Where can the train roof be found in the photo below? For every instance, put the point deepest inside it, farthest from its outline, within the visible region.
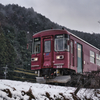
(85, 41)
(50, 30)
(64, 30)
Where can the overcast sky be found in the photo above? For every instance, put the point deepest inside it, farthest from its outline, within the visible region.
(82, 15)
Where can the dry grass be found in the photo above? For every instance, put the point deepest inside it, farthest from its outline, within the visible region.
(48, 96)
(64, 98)
(9, 94)
(29, 93)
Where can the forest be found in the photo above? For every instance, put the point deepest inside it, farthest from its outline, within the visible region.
(17, 25)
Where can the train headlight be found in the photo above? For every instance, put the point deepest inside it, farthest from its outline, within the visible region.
(34, 59)
(60, 57)
(57, 57)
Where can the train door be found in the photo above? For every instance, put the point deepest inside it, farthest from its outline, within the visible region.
(79, 58)
(47, 52)
(72, 53)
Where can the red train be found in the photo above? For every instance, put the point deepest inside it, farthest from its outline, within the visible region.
(58, 53)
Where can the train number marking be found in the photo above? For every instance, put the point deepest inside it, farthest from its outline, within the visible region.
(60, 66)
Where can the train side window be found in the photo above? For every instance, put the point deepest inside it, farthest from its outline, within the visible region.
(71, 47)
(79, 51)
(98, 59)
(92, 57)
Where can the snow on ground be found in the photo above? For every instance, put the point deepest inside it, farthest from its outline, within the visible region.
(17, 90)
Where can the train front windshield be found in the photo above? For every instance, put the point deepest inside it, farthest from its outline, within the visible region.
(61, 43)
(36, 45)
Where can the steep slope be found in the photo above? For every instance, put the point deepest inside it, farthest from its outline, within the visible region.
(17, 25)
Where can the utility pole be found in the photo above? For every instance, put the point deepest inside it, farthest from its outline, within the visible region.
(5, 72)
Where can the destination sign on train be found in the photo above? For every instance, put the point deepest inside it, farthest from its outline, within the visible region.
(59, 36)
(37, 39)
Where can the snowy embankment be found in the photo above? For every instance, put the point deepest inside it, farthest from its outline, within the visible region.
(17, 90)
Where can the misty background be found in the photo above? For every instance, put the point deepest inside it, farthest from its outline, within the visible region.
(82, 15)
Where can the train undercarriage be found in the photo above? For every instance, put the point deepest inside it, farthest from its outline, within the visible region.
(51, 75)
(69, 78)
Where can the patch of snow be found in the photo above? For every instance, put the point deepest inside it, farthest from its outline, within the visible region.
(25, 90)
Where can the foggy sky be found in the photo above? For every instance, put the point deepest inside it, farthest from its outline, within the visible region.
(82, 15)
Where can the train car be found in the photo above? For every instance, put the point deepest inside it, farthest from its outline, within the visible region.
(57, 54)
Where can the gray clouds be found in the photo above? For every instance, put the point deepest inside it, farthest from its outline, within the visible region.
(82, 15)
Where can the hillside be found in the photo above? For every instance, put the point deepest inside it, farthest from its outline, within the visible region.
(17, 25)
